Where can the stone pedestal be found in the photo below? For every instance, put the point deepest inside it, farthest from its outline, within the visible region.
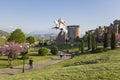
(60, 38)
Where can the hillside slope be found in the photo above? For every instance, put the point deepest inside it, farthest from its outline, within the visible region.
(99, 66)
(3, 33)
(3, 36)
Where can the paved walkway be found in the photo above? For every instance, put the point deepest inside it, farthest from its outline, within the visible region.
(19, 69)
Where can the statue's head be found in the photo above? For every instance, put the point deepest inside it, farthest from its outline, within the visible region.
(60, 24)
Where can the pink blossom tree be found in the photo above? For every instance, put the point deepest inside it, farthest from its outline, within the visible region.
(11, 49)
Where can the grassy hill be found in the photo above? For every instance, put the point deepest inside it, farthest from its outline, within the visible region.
(3, 33)
(99, 66)
(3, 37)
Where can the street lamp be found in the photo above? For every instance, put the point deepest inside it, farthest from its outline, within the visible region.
(23, 61)
(23, 57)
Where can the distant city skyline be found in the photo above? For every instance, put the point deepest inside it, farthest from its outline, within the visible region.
(39, 15)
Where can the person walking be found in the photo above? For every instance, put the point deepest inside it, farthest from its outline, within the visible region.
(61, 56)
(31, 63)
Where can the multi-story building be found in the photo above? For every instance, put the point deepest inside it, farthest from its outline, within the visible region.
(113, 27)
(73, 31)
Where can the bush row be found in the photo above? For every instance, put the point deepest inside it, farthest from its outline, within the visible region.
(44, 51)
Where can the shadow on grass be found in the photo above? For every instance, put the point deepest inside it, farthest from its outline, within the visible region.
(4, 59)
(17, 68)
(4, 66)
(55, 59)
(94, 61)
(98, 50)
(33, 54)
(6, 73)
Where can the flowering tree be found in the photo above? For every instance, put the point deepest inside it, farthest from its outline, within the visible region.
(11, 49)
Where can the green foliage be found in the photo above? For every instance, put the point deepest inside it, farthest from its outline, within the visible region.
(45, 43)
(113, 40)
(54, 50)
(30, 39)
(97, 35)
(105, 40)
(89, 41)
(85, 37)
(82, 46)
(43, 51)
(18, 36)
(93, 43)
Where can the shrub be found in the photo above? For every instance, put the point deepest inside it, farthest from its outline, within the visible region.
(54, 50)
(43, 51)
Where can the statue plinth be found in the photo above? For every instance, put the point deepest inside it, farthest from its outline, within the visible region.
(60, 38)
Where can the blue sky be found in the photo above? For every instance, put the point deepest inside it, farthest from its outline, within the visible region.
(39, 15)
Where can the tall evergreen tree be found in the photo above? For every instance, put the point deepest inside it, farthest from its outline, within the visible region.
(96, 43)
(105, 40)
(93, 43)
(82, 46)
(89, 41)
(97, 35)
(113, 40)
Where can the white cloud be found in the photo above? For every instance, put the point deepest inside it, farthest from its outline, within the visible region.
(11, 26)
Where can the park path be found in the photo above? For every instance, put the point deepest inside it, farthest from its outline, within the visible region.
(19, 69)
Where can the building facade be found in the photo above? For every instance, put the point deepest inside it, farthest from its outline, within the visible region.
(73, 31)
(113, 27)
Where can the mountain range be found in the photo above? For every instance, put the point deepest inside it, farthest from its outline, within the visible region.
(41, 35)
(36, 34)
(3, 33)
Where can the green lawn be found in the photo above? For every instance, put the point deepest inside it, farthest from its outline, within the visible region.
(71, 48)
(99, 66)
(17, 62)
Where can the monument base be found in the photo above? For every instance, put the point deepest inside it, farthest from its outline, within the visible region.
(60, 38)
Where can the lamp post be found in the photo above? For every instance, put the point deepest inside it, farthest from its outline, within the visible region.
(23, 62)
(23, 54)
(24, 57)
